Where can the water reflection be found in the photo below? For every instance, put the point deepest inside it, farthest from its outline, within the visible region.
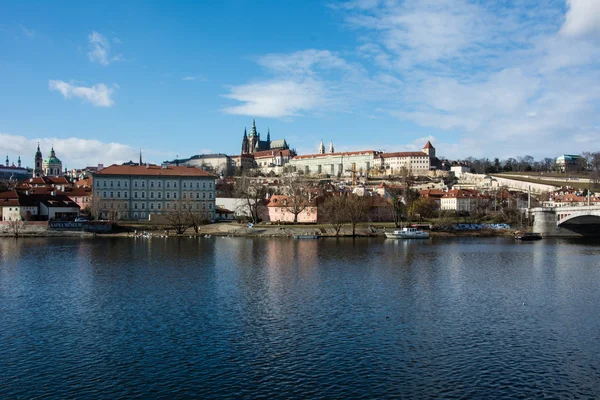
(333, 318)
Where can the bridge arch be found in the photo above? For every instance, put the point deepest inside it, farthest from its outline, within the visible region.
(579, 218)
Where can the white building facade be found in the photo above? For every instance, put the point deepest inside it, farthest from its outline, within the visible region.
(334, 164)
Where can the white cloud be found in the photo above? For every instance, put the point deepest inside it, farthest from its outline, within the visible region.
(98, 95)
(583, 17)
(100, 49)
(277, 99)
(73, 152)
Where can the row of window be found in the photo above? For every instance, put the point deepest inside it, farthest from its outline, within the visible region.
(159, 206)
(168, 195)
(151, 184)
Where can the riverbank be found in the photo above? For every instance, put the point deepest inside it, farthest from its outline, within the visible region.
(242, 230)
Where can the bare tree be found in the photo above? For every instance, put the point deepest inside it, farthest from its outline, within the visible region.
(357, 210)
(253, 193)
(297, 196)
(396, 207)
(178, 218)
(16, 227)
(195, 217)
(93, 207)
(333, 211)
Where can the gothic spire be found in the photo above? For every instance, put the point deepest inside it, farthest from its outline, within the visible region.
(141, 157)
(269, 135)
(253, 131)
(331, 147)
(321, 147)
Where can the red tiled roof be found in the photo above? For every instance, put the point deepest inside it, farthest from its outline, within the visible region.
(153, 170)
(57, 180)
(463, 193)
(428, 145)
(404, 154)
(271, 153)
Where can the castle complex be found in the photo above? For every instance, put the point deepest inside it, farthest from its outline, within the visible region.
(251, 143)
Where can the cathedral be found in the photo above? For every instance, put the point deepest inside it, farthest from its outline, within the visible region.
(251, 142)
(51, 166)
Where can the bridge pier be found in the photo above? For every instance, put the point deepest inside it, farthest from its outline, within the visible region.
(545, 222)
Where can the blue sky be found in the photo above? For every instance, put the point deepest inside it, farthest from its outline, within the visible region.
(477, 78)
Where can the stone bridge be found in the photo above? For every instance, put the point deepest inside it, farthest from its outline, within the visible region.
(567, 221)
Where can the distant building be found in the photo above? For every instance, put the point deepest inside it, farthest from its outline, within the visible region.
(279, 211)
(251, 142)
(458, 170)
(334, 164)
(13, 171)
(52, 166)
(25, 206)
(569, 162)
(462, 200)
(413, 162)
(135, 192)
(220, 164)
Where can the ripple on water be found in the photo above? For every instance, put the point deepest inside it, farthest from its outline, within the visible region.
(247, 318)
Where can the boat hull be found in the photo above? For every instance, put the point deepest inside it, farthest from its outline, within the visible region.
(424, 235)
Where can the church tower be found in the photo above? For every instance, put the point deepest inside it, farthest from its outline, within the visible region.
(37, 169)
(429, 150)
(7, 160)
(253, 138)
(331, 147)
(321, 147)
(245, 143)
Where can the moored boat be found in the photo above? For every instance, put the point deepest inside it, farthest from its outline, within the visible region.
(407, 233)
(306, 236)
(528, 236)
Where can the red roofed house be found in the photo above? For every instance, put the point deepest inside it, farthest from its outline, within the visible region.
(136, 191)
(462, 200)
(279, 210)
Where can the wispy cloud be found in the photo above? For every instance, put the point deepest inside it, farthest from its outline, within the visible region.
(100, 50)
(194, 78)
(98, 95)
(304, 81)
(30, 33)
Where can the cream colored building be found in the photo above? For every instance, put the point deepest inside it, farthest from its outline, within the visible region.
(334, 164)
(221, 164)
(413, 162)
(135, 192)
(462, 200)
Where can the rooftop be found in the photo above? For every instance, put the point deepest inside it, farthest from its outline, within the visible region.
(153, 170)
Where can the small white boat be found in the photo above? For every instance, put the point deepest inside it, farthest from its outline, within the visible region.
(407, 233)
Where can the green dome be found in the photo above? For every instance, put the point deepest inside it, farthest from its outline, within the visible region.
(52, 160)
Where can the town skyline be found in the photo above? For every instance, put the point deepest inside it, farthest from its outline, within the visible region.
(474, 79)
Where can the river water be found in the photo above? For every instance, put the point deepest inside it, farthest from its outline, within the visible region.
(278, 318)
